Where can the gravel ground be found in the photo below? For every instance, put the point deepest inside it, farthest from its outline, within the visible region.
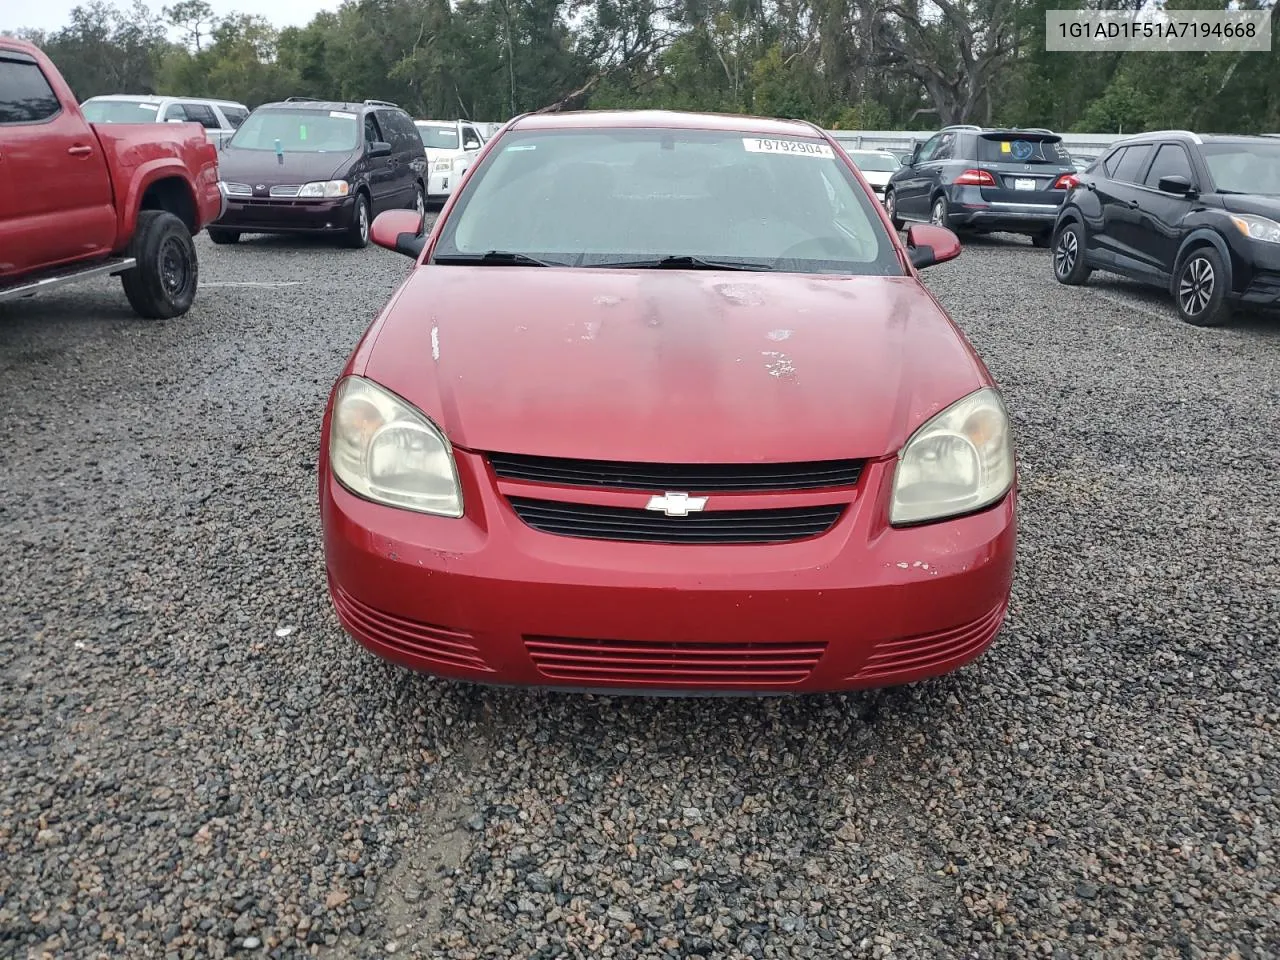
(196, 762)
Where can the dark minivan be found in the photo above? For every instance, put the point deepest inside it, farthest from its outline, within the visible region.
(309, 166)
(984, 180)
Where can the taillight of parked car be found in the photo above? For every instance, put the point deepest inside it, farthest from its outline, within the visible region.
(976, 178)
(1066, 181)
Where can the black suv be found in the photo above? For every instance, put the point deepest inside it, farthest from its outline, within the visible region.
(309, 166)
(1196, 215)
(984, 180)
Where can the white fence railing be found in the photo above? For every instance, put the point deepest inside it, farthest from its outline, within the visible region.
(901, 141)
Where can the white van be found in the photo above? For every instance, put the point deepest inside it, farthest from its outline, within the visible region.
(450, 146)
(220, 118)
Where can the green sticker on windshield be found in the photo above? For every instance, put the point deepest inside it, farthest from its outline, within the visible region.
(302, 132)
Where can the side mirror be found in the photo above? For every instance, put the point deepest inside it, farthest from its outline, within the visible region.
(399, 230)
(379, 148)
(928, 244)
(1178, 185)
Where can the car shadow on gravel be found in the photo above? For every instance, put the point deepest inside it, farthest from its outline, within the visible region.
(86, 307)
(723, 729)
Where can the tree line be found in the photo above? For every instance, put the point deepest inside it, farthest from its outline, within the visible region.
(868, 64)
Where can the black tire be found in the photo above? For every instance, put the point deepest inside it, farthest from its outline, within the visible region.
(891, 208)
(939, 212)
(1042, 240)
(220, 236)
(357, 235)
(163, 284)
(1200, 290)
(1069, 265)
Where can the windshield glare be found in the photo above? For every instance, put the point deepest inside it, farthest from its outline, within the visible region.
(299, 131)
(874, 162)
(120, 111)
(1244, 167)
(441, 138)
(594, 197)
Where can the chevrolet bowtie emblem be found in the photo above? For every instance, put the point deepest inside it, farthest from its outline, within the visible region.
(676, 504)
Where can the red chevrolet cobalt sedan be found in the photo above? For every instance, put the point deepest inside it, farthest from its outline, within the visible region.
(663, 406)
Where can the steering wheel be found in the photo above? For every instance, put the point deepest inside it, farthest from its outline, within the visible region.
(816, 248)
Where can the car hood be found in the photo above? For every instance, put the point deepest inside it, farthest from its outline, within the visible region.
(264, 167)
(1258, 204)
(654, 365)
(878, 177)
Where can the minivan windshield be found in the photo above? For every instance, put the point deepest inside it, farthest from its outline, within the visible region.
(439, 137)
(1249, 167)
(298, 131)
(120, 111)
(873, 162)
(638, 197)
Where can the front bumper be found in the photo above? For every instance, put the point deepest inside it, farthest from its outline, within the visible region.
(440, 184)
(489, 599)
(288, 215)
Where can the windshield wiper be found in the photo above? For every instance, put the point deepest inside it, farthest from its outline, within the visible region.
(680, 263)
(494, 258)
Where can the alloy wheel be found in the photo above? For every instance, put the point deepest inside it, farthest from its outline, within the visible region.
(1064, 256)
(939, 217)
(1195, 289)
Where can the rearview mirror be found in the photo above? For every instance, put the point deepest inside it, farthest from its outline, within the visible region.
(1175, 184)
(399, 230)
(379, 148)
(928, 244)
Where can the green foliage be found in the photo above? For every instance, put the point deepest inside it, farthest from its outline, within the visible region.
(842, 63)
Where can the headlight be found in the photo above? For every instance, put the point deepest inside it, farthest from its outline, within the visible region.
(443, 166)
(325, 188)
(384, 450)
(1259, 228)
(960, 461)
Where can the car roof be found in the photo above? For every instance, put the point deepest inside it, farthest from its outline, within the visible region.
(438, 123)
(664, 119)
(157, 98)
(304, 104)
(18, 46)
(1153, 135)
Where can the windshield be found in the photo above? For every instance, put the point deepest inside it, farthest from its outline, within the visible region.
(299, 131)
(874, 162)
(594, 197)
(441, 138)
(120, 111)
(1244, 167)
(1015, 148)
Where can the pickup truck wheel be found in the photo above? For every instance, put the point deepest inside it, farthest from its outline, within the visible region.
(224, 236)
(357, 236)
(163, 284)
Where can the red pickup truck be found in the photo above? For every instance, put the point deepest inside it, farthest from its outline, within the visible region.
(79, 200)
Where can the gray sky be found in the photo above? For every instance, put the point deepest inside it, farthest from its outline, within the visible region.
(52, 14)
